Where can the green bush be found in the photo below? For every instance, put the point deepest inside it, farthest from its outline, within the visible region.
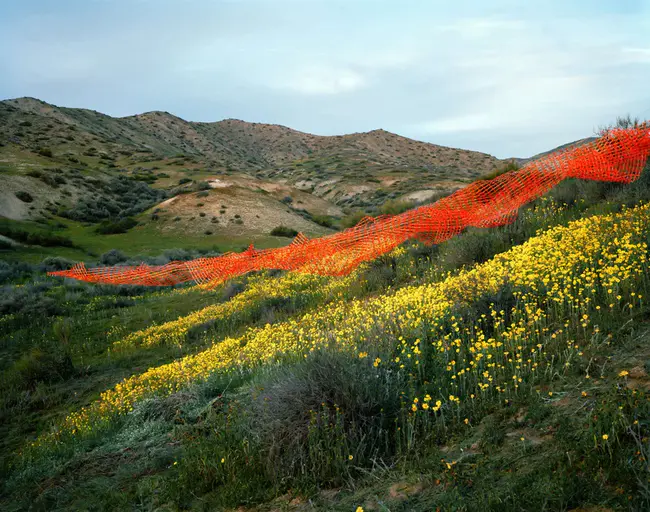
(283, 231)
(323, 220)
(508, 167)
(352, 220)
(45, 152)
(44, 366)
(112, 257)
(112, 227)
(25, 197)
(113, 199)
(5, 246)
(35, 238)
(295, 425)
(395, 207)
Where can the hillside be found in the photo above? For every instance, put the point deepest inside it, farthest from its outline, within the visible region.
(516, 369)
(358, 170)
(523, 161)
(503, 369)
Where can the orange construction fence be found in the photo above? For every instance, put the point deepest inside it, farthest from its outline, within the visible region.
(618, 156)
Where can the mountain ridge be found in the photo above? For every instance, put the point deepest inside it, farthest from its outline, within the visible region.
(357, 171)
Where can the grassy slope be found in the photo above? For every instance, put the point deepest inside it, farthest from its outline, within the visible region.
(150, 454)
(143, 240)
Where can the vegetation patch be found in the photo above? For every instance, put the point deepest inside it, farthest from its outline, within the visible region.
(283, 231)
(25, 197)
(112, 227)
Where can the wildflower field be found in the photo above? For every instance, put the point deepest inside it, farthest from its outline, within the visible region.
(503, 369)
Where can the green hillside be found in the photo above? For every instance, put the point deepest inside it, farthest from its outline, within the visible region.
(504, 369)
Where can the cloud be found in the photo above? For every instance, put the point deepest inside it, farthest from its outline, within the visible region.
(461, 123)
(514, 77)
(479, 28)
(323, 80)
(640, 55)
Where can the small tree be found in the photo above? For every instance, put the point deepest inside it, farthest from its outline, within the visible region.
(625, 122)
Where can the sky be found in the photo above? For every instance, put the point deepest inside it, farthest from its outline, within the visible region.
(509, 78)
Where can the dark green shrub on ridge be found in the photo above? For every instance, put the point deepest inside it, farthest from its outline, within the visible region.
(25, 197)
(283, 231)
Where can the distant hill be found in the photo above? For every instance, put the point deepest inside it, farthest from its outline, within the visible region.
(579, 142)
(358, 170)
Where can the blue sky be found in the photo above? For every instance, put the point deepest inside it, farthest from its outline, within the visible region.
(511, 78)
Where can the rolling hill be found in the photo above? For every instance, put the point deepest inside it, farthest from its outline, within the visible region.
(358, 170)
(503, 369)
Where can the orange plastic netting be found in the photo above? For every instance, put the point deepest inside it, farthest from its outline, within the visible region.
(617, 156)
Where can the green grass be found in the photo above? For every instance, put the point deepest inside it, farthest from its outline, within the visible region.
(145, 240)
(169, 450)
(132, 464)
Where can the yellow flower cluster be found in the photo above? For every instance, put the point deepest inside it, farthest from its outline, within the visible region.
(565, 267)
(259, 288)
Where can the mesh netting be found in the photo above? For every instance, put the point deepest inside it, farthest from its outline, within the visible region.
(617, 156)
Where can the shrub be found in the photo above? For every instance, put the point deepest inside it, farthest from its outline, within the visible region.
(45, 152)
(112, 257)
(352, 220)
(323, 220)
(25, 197)
(29, 301)
(296, 425)
(117, 198)
(508, 167)
(283, 231)
(53, 263)
(394, 207)
(35, 238)
(44, 366)
(112, 227)
(182, 181)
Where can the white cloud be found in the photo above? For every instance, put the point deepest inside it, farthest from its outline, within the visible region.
(323, 80)
(455, 124)
(640, 55)
(479, 28)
